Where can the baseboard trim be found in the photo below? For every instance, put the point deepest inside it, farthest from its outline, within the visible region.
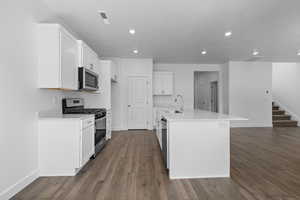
(200, 177)
(250, 125)
(19, 185)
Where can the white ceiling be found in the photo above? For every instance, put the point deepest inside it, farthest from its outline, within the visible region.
(176, 31)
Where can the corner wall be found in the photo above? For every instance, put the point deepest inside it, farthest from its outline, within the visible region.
(129, 67)
(250, 93)
(21, 100)
(184, 82)
(286, 87)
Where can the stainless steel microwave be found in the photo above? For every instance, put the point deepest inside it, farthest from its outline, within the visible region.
(88, 80)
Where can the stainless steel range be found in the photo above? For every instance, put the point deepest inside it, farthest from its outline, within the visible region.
(76, 106)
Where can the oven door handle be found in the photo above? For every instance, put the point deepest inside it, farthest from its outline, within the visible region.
(101, 118)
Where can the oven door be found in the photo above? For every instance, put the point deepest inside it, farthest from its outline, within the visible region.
(164, 140)
(88, 80)
(100, 125)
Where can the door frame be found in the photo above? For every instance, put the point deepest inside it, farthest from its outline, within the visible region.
(212, 84)
(149, 101)
(221, 85)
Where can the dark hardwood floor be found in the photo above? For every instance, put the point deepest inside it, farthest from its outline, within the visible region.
(265, 164)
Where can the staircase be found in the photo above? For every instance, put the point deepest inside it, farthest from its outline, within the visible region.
(281, 119)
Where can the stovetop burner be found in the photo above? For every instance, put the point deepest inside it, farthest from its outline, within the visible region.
(75, 106)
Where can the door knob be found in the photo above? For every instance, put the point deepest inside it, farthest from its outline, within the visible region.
(129, 105)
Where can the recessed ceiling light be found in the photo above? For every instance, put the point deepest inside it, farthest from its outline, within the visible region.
(135, 51)
(203, 52)
(132, 31)
(228, 34)
(298, 54)
(255, 52)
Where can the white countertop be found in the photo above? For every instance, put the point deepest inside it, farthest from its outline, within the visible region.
(198, 115)
(65, 116)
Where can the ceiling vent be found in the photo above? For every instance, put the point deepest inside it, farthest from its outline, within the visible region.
(104, 17)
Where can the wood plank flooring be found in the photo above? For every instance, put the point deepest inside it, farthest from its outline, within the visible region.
(265, 164)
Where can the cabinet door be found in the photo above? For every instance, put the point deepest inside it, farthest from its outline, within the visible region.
(89, 57)
(87, 144)
(163, 83)
(85, 56)
(68, 61)
(157, 84)
(167, 84)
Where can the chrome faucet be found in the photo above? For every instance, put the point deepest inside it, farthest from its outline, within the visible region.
(181, 102)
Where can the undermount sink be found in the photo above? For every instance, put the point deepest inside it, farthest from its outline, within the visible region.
(178, 112)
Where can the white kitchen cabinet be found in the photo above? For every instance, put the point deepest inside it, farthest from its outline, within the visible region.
(87, 144)
(162, 83)
(87, 57)
(66, 143)
(108, 124)
(57, 58)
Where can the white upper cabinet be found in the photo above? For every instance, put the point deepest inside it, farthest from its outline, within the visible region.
(162, 83)
(87, 57)
(57, 58)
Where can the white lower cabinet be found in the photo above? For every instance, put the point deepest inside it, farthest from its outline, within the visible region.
(65, 144)
(87, 144)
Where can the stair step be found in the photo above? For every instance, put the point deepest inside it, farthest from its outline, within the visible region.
(281, 117)
(275, 107)
(278, 112)
(285, 123)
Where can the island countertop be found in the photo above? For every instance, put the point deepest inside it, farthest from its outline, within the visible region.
(198, 115)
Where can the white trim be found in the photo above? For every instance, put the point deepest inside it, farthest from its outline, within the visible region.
(287, 110)
(197, 177)
(249, 125)
(118, 128)
(19, 185)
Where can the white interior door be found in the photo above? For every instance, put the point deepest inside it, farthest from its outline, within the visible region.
(138, 102)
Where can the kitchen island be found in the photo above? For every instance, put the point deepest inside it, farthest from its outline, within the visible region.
(196, 143)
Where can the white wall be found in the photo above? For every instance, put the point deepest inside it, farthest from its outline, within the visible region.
(128, 67)
(286, 87)
(184, 82)
(248, 97)
(20, 99)
(225, 87)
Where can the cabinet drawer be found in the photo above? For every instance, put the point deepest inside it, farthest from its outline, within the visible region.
(88, 122)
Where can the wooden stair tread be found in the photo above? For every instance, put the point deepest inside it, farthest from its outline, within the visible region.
(281, 119)
(284, 121)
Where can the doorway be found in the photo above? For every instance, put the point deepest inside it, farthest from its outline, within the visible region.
(138, 102)
(206, 90)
